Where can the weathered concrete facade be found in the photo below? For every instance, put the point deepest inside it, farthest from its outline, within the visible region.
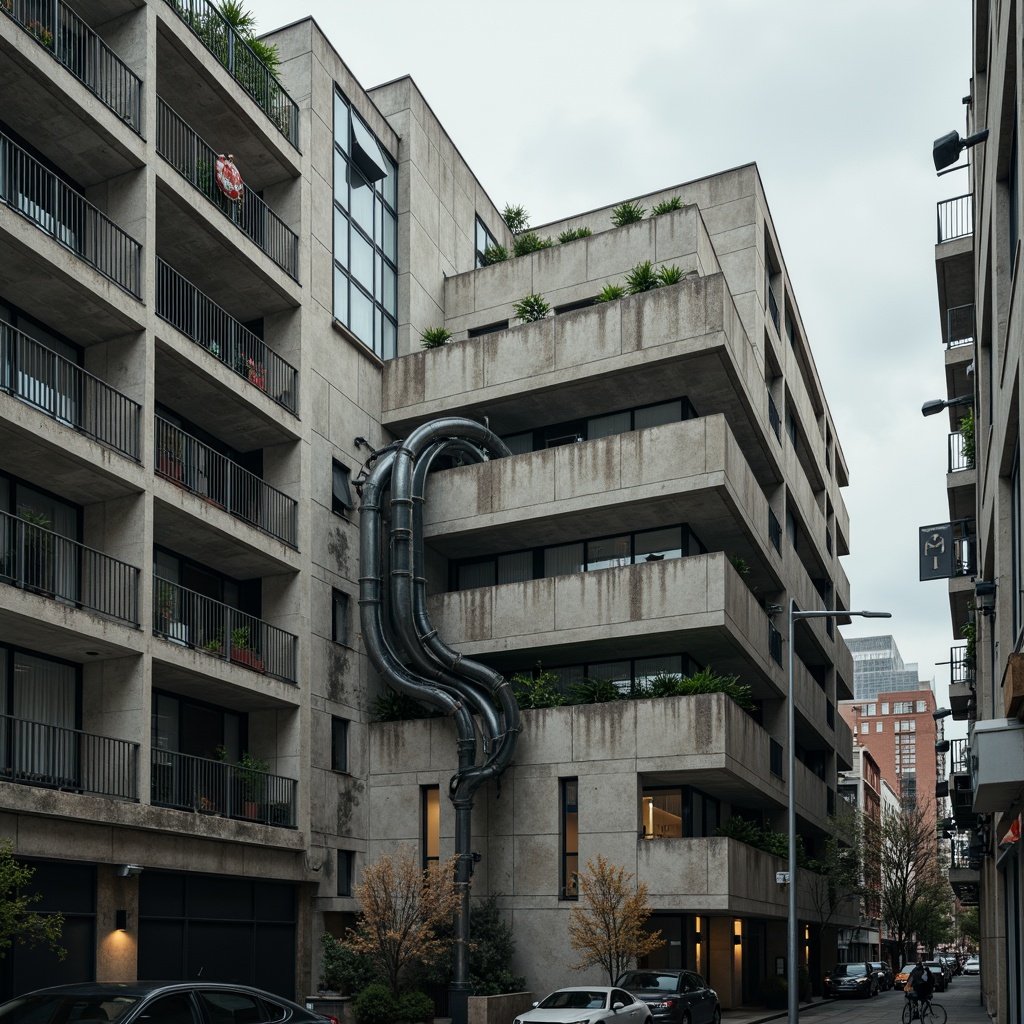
(180, 532)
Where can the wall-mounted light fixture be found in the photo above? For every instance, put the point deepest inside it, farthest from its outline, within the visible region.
(985, 597)
(941, 713)
(942, 747)
(121, 920)
(124, 870)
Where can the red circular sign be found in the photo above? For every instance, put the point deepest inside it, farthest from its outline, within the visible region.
(229, 181)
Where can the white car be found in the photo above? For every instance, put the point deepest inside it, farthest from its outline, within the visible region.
(587, 1004)
(972, 965)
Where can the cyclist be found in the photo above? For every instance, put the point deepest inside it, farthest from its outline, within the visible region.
(919, 986)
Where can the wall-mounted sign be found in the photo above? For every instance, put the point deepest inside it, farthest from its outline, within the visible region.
(935, 551)
(229, 180)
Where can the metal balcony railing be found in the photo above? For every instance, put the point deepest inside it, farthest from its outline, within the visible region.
(774, 530)
(774, 420)
(965, 555)
(195, 161)
(65, 392)
(185, 617)
(960, 326)
(961, 668)
(228, 46)
(773, 307)
(958, 461)
(959, 756)
(955, 217)
(965, 853)
(37, 559)
(28, 188)
(38, 754)
(60, 30)
(185, 307)
(215, 787)
(774, 643)
(188, 462)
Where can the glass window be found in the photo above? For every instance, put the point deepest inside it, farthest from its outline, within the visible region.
(564, 559)
(361, 314)
(476, 574)
(341, 498)
(517, 568)
(606, 426)
(346, 862)
(863, 727)
(430, 797)
(361, 261)
(654, 545)
(878, 726)
(872, 709)
(885, 709)
(663, 814)
(569, 873)
(483, 239)
(655, 415)
(339, 617)
(618, 672)
(339, 744)
(922, 706)
(608, 553)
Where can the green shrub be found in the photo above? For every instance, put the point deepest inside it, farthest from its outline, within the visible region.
(342, 969)
(531, 308)
(761, 837)
(415, 1007)
(492, 951)
(664, 685)
(739, 563)
(627, 213)
(495, 254)
(594, 691)
(642, 278)
(538, 691)
(393, 706)
(967, 432)
(670, 275)
(709, 681)
(666, 206)
(516, 218)
(531, 242)
(610, 292)
(375, 1005)
(435, 337)
(570, 234)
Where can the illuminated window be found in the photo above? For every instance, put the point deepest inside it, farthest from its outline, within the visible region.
(568, 880)
(431, 818)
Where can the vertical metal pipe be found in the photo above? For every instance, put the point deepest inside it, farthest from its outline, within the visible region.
(792, 975)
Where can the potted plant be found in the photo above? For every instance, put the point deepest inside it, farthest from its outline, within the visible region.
(251, 773)
(241, 653)
(168, 615)
(38, 550)
(256, 373)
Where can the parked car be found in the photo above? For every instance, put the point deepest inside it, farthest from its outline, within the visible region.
(594, 1004)
(948, 966)
(883, 972)
(972, 965)
(854, 979)
(191, 1002)
(938, 972)
(679, 997)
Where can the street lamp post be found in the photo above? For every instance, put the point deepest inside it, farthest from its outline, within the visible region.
(792, 974)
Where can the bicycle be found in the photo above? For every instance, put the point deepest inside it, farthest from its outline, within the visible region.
(927, 1011)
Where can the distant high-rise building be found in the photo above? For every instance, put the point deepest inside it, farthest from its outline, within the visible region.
(878, 667)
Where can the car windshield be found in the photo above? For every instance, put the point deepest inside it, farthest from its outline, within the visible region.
(650, 981)
(575, 999)
(850, 971)
(66, 1008)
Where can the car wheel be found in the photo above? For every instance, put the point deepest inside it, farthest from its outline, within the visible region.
(685, 1018)
(716, 1017)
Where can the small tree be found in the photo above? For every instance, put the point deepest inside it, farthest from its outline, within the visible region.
(837, 878)
(17, 922)
(607, 926)
(405, 912)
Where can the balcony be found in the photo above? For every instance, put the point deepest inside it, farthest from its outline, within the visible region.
(61, 32)
(966, 857)
(50, 756)
(958, 461)
(66, 393)
(955, 218)
(39, 196)
(206, 786)
(961, 666)
(960, 325)
(228, 47)
(184, 617)
(215, 478)
(181, 304)
(43, 562)
(773, 311)
(195, 161)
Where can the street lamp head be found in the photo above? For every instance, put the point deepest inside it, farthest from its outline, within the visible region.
(936, 405)
(873, 615)
(941, 713)
(947, 150)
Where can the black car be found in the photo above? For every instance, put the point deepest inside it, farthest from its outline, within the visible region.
(674, 997)
(938, 973)
(883, 972)
(853, 979)
(191, 1002)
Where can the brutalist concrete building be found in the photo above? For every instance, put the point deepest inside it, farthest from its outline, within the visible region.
(193, 373)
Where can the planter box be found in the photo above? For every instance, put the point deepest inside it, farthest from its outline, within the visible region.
(250, 659)
(499, 1009)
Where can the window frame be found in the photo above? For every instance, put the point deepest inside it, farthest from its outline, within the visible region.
(339, 617)
(569, 812)
(339, 744)
(342, 504)
(346, 860)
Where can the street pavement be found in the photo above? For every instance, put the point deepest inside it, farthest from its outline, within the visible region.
(962, 1001)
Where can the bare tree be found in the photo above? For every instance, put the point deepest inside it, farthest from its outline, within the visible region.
(842, 875)
(607, 926)
(406, 913)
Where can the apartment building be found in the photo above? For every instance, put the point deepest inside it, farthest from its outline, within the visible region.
(878, 665)
(194, 375)
(977, 262)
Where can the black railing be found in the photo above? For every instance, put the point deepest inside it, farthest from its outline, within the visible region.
(774, 420)
(958, 461)
(37, 559)
(228, 46)
(961, 667)
(185, 307)
(195, 161)
(773, 307)
(775, 758)
(960, 326)
(965, 551)
(955, 217)
(37, 754)
(188, 462)
(965, 852)
(28, 188)
(67, 393)
(185, 617)
(959, 756)
(215, 787)
(774, 643)
(58, 29)
(774, 530)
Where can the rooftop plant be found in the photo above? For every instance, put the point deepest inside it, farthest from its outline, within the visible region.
(594, 691)
(610, 292)
(666, 206)
(435, 337)
(627, 213)
(642, 278)
(570, 234)
(967, 435)
(538, 691)
(531, 242)
(670, 275)
(496, 253)
(516, 218)
(531, 308)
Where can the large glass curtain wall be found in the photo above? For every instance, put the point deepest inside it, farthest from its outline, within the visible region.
(365, 233)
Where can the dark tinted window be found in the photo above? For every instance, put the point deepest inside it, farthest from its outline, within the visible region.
(176, 1009)
(232, 1007)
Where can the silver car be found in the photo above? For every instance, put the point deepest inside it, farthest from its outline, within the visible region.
(587, 1004)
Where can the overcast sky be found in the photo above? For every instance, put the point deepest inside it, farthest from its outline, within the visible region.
(563, 106)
